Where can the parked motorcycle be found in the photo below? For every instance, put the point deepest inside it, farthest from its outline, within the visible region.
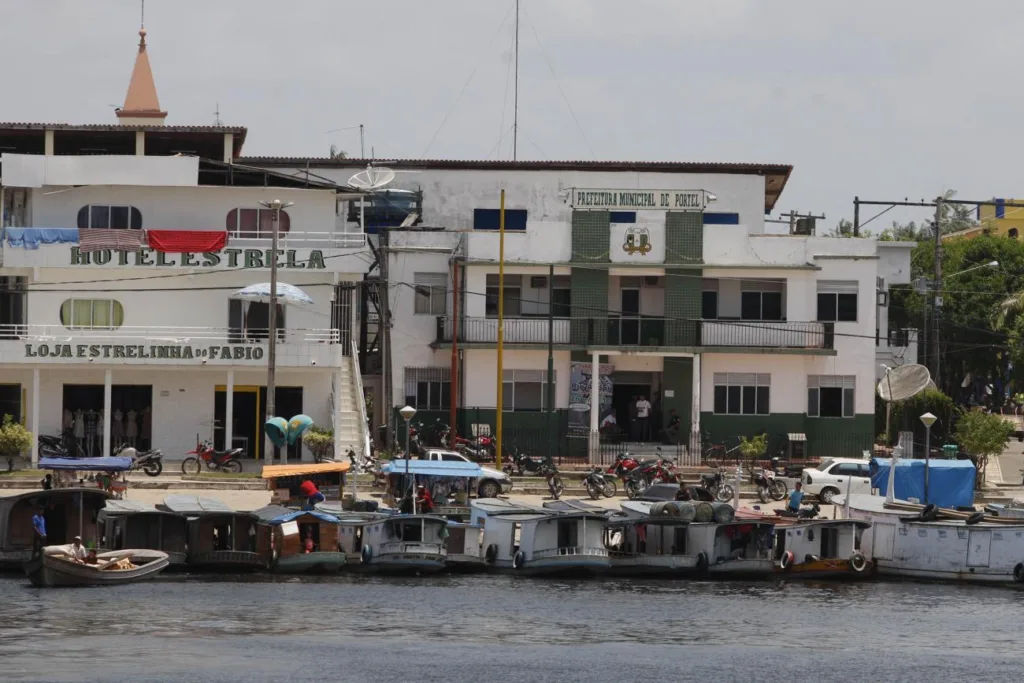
(717, 486)
(597, 484)
(224, 461)
(150, 462)
(553, 478)
(768, 487)
(64, 445)
(522, 465)
(809, 511)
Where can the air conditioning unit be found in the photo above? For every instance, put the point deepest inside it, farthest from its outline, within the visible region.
(539, 282)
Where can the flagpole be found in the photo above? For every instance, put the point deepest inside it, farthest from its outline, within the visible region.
(501, 329)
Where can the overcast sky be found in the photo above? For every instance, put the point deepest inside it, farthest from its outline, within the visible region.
(874, 98)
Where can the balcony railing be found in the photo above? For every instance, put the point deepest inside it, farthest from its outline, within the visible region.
(57, 334)
(299, 240)
(643, 331)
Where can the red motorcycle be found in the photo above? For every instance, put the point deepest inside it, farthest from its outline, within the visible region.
(223, 461)
(630, 472)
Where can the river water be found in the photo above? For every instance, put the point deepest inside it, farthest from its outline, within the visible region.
(503, 628)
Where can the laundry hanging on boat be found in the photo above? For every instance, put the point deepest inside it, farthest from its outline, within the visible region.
(182, 241)
(93, 239)
(31, 238)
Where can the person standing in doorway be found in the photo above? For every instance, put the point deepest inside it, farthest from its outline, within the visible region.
(643, 418)
(38, 531)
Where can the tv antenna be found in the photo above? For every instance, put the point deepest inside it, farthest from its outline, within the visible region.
(216, 116)
(900, 384)
(373, 178)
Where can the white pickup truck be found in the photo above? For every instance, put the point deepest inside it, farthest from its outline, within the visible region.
(491, 482)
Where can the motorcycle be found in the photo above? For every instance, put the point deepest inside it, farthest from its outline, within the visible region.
(150, 462)
(597, 484)
(226, 461)
(808, 512)
(717, 486)
(523, 465)
(553, 478)
(369, 464)
(64, 445)
(768, 487)
(480, 449)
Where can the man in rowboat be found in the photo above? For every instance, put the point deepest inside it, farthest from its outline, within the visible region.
(78, 552)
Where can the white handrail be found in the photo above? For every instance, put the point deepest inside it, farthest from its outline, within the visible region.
(58, 334)
(360, 399)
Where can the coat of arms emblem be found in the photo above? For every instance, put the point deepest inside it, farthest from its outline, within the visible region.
(638, 241)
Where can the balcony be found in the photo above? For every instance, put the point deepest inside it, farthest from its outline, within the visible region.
(643, 332)
(53, 344)
(300, 240)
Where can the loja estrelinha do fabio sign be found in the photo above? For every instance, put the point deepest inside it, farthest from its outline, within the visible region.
(231, 258)
(139, 351)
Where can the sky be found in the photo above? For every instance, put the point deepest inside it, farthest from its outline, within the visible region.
(874, 98)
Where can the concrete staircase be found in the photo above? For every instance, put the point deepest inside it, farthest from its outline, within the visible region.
(349, 408)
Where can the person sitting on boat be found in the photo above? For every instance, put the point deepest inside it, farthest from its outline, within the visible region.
(308, 545)
(796, 496)
(47, 482)
(424, 502)
(38, 531)
(684, 492)
(78, 552)
(313, 495)
(90, 556)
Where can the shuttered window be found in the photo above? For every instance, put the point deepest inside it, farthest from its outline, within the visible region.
(431, 293)
(738, 393)
(524, 390)
(837, 301)
(428, 388)
(830, 395)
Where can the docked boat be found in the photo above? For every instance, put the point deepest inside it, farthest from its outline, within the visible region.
(131, 524)
(54, 567)
(393, 544)
(219, 538)
(926, 542)
(538, 541)
(465, 549)
(299, 541)
(821, 549)
(68, 513)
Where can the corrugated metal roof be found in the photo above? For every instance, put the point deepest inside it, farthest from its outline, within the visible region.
(191, 505)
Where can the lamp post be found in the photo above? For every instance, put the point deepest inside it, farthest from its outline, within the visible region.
(275, 207)
(928, 419)
(407, 413)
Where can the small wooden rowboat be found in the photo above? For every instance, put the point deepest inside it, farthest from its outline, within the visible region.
(54, 567)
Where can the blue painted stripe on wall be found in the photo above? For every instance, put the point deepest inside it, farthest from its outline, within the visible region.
(711, 218)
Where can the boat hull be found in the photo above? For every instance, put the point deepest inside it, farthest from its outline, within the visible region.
(568, 566)
(310, 563)
(227, 561)
(653, 565)
(742, 569)
(825, 569)
(48, 571)
(465, 564)
(406, 563)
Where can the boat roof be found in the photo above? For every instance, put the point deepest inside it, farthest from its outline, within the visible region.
(859, 523)
(277, 514)
(500, 506)
(132, 507)
(504, 509)
(276, 471)
(196, 505)
(14, 500)
(575, 506)
(434, 468)
(412, 518)
(112, 464)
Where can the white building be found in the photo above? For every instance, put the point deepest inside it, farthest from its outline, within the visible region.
(659, 276)
(122, 246)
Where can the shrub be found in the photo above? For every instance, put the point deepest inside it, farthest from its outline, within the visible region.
(14, 440)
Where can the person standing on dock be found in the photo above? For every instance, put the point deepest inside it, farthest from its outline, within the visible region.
(38, 531)
(643, 419)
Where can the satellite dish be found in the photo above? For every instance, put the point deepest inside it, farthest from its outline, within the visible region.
(372, 178)
(904, 382)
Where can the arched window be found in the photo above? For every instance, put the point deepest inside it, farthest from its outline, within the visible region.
(256, 223)
(91, 314)
(109, 217)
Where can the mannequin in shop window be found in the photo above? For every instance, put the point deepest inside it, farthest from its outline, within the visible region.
(117, 428)
(79, 429)
(132, 428)
(99, 433)
(90, 433)
(68, 421)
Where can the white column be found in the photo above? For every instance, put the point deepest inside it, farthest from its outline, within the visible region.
(35, 417)
(594, 440)
(140, 143)
(695, 405)
(48, 142)
(229, 148)
(108, 381)
(336, 417)
(229, 412)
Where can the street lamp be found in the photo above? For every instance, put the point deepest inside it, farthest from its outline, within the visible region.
(275, 207)
(928, 419)
(407, 412)
(990, 264)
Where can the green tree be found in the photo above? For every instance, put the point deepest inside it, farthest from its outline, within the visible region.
(319, 441)
(755, 447)
(982, 435)
(14, 440)
(905, 415)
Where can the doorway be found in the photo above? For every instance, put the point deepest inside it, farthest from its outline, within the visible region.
(131, 416)
(10, 401)
(629, 304)
(624, 398)
(244, 422)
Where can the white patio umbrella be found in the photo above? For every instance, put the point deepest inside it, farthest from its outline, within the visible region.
(286, 294)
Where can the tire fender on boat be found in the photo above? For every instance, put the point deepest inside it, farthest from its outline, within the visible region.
(491, 554)
(787, 559)
(366, 554)
(858, 563)
(930, 512)
(1018, 572)
(976, 518)
(518, 560)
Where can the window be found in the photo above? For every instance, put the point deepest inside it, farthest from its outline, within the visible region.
(109, 217)
(742, 393)
(561, 293)
(452, 457)
(524, 390)
(256, 223)
(837, 301)
(709, 300)
(91, 314)
(513, 296)
(761, 300)
(251, 320)
(428, 388)
(849, 469)
(490, 219)
(830, 395)
(431, 293)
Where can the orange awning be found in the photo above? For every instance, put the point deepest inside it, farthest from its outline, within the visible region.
(275, 471)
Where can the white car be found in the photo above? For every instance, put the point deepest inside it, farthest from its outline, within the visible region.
(835, 476)
(491, 482)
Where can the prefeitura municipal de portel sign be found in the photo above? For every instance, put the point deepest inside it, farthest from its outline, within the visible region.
(291, 259)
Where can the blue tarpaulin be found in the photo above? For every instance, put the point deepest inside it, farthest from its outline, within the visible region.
(86, 464)
(950, 482)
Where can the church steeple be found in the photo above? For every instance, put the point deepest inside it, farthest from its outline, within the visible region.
(141, 106)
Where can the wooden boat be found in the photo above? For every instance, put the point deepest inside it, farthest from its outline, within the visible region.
(281, 537)
(465, 550)
(219, 538)
(54, 567)
(539, 541)
(821, 549)
(285, 481)
(393, 544)
(68, 512)
(131, 524)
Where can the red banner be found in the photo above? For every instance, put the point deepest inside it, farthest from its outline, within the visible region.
(181, 241)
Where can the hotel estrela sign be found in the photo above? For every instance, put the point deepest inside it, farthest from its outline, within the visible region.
(140, 351)
(639, 200)
(231, 258)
